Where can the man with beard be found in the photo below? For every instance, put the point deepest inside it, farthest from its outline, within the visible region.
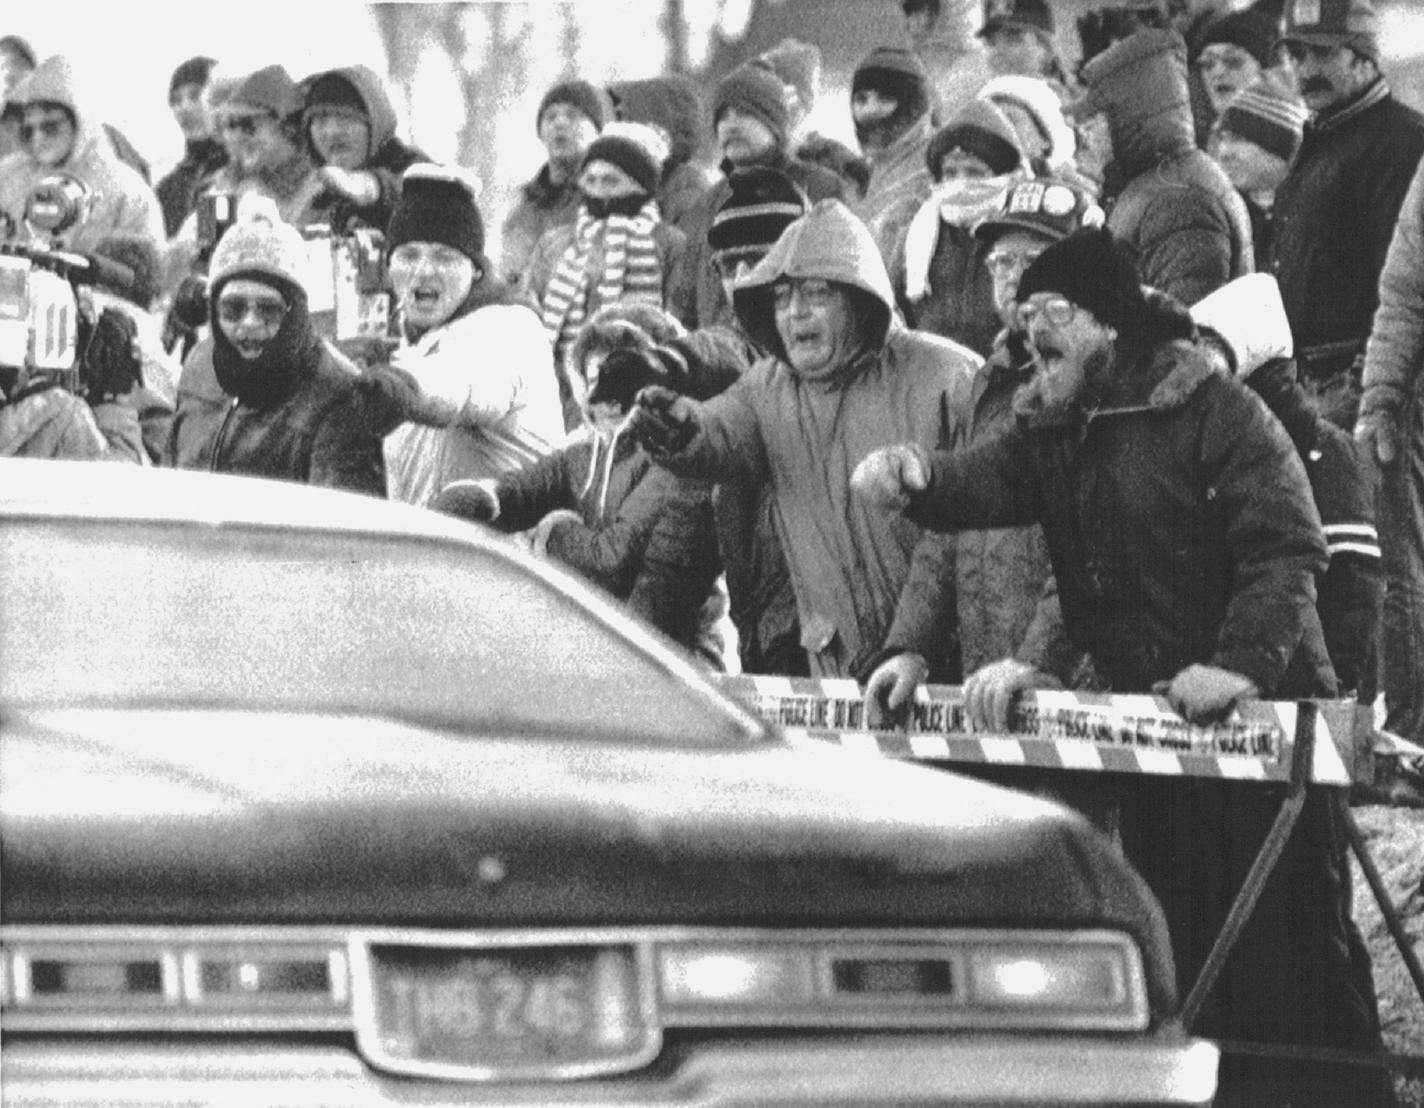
(266, 396)
(1185, 543)
(890, 104)
(1336, 210)
(752, 121)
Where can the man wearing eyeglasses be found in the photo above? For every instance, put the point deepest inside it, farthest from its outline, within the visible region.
(1336, 210)
(842, 378)
(1185, 543)
(59, 135)
(267, 396)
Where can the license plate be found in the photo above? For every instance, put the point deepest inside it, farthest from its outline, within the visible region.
(504, 1013)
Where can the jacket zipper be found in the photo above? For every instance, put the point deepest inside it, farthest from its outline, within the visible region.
(222, 434)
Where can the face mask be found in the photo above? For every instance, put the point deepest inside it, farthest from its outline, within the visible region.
(602, 207)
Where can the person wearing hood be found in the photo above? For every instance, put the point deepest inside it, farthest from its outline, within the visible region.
(469, 390)
(599, 505)
(1185, 543)
(265, 395)
(618, 250)
(841, 378)
(203, 154)
(938, 269)
(891, 107)
(1036, 112)
(1164, 197)
(752, 121)
(672, 106)
(60, 136)
(350, 129)
(570, 116)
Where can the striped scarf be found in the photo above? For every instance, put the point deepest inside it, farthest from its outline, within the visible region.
(631, 272)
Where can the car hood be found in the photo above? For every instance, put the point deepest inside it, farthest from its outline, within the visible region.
(222, 817)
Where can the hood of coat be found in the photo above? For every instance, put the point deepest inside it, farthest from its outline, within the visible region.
(829, 243)
(670, 103)
(368, 86)
(53, 82)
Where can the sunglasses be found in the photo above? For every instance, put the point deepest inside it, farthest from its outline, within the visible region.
(269, 313)
(49, 128)
(245, 124)
(1058, 310)
(814, 294)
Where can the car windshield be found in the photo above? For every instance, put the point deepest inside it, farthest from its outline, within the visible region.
(112, 613)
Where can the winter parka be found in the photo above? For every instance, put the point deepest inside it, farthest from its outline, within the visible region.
(179, 187)
(540, 207)
(804, 435)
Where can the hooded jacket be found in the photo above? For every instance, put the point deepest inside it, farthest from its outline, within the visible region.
(670, 103)
(52, 423)
(389, 156)
(899, 183)
(804, 435)
(123, 202)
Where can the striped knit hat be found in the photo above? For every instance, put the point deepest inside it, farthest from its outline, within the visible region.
(762, 203)
(1268, 114)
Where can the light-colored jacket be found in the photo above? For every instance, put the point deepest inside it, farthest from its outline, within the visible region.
(805, 434)
(899, 183)
(123, 203)
(1395, 353)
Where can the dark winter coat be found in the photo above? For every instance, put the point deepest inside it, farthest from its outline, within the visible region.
(646, 536)
(960, 302)
(1179, 519)
(178, 189)
(317, 434)
(1336, 211)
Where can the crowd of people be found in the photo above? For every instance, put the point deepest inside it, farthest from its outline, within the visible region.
(1103, 377)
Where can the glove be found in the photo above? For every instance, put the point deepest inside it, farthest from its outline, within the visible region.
(663, 422)
(390, 397)
(1205, 694)
(886, 477)
(893, 685)
(990, 692)
(111, 364)
(475, 501)
(544, 530)
(1378, 428)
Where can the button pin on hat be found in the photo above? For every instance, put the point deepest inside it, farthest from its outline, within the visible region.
(1305, 12)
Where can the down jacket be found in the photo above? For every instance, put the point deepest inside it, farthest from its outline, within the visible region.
(804, 434)
(1179, 520)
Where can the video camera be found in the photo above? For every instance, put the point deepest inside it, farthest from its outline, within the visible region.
(47, 318)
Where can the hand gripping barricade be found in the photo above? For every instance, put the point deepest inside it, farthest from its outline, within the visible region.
(1295, 744)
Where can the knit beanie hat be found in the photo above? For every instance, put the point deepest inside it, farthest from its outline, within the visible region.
(1352, 23)
(195, 71)
(19, 46)
(1251, 30)
(1093, 270)
(797, 64)
(579, 95)
(898, 73)
(980, 129)
(335, 90)
(635, 148)
(763, 203)
(269, 89)
(1267, 113)
(437, 204)
(261, 245)
(759, 93)
(1054, 209)
(1032, 15)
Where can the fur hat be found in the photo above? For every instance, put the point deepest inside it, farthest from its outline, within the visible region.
(195, 71)
(1267, 113)
(797, 64)
(437, 204)
(1253, 31)
(763, 203)
(980, 129)
(635, 148)
(580, 95)
(1093, 270)
(898, 73)
(259, 245)
(269, 89)
(620, 326)
(1053, 209)
(759, 93)
(1352, 23)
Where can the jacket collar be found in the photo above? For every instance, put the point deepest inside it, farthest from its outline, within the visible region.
(1161, 382)
(1338, 115)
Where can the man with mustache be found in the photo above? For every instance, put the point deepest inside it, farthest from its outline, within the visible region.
(1336, 209)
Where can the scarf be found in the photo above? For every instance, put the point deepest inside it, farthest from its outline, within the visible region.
(285, 364)
(960, 203)
(631, 271)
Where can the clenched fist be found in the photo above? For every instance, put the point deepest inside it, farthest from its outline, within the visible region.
(886, 477)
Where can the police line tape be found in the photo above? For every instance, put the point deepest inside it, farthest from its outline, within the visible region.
(1053, 729)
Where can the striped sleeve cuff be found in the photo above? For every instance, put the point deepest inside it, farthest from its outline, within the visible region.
(1352, 538)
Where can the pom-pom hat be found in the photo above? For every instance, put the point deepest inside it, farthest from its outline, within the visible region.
(437, 204)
